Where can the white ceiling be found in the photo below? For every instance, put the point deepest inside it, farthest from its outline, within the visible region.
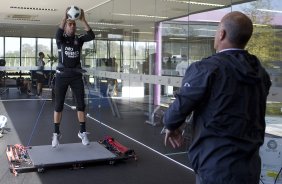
(42, 23)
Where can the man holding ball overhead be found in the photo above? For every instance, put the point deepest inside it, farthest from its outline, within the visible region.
(69, 72)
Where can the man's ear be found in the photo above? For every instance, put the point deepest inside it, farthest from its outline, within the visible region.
(222, 34)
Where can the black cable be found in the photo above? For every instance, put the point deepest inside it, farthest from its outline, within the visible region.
(277, 175)
(36, 122)
(88, 87)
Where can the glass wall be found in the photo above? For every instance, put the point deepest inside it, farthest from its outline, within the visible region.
(188, 39)
(167, 49)
(28, 51)
(1, 47)
(143, 68)
(44, 45)
(88, 54)
(12, 51)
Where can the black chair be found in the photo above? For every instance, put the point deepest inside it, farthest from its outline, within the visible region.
(3, 76)
(2, 72)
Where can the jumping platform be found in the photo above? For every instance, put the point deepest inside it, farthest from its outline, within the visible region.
(38, 158)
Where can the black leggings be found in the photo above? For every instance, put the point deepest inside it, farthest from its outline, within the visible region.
(61, 87)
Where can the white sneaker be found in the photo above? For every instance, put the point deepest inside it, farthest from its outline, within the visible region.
(29, 93)
(55, 140)
(1, 135)
(83, 137)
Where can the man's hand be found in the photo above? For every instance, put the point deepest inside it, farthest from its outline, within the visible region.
(82, 15)
(174, 137)
(83, 21)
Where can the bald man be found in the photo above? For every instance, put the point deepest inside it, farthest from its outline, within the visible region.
(227, 94)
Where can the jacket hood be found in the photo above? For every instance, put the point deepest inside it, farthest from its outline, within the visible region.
(247, 67)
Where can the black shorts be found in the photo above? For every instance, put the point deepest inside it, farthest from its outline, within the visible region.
(61, 86)
(40, 78)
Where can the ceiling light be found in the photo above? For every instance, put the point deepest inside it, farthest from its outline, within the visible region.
(177, 38)
(205, 36)
(98, 5)
(22, 17)
(110, 24)
(33, 8)
(32, 20)
(180, 34)
(9, 31)
(261, 25)
(203, 29)
(100, 30)
(140, 15)
(142, 32)
(272, 11)
(195, 3)
(205, 20)
(164, 27)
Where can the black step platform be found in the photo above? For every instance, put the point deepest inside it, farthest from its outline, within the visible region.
(38, 158)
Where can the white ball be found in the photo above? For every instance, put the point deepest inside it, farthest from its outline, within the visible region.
(74, 12)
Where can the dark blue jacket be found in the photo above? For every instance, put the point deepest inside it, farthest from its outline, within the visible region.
(227, 93)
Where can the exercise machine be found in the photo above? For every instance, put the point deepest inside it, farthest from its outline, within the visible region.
(155, 118)
(75, 155)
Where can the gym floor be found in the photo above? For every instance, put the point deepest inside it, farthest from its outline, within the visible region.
(30, 122)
